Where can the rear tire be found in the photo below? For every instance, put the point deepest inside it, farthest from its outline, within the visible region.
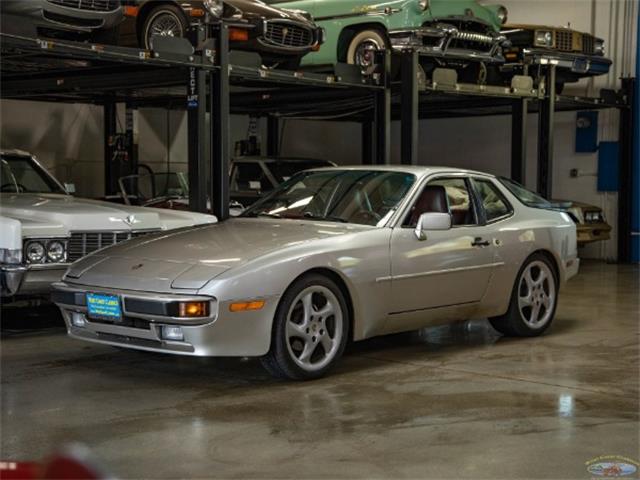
(310, 330)
(533, 300)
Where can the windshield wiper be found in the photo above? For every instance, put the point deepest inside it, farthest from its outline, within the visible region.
(329, 218)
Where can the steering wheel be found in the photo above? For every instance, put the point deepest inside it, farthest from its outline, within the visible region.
(18, 186)
(367, 217)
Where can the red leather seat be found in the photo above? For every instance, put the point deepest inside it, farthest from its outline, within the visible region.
(432, 199)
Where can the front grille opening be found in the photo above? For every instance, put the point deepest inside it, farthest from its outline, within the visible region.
(288, 35)
(564, 40)
(92, 5)
(73, 21)
(129, 322)
(84, 243)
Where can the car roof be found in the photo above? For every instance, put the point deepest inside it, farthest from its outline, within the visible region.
(417, 170)
(282, 159)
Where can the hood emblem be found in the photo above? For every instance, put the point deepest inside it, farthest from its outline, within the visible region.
(138, 266)
(131, 220)
(285, 32)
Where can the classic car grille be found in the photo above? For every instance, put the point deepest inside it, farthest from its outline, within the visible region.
(567, 41)
(288, 35)
(95, 5)
(84, 243)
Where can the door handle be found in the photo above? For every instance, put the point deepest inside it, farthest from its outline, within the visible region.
(479, 242)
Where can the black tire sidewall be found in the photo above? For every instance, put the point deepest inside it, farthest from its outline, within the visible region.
(172, 9)
(279, 356)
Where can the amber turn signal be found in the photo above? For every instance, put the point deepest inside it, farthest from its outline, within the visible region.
(197, 12)
(238, 35)
(193, 309)
(246, 306)
(131, 11)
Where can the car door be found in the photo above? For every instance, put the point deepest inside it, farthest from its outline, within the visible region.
(447, 268)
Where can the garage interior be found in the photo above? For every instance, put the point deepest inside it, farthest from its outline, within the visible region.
(453, 401)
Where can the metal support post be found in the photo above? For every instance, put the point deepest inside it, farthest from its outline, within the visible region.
(409, 108)
(383, 113)
(198, 149)
(109, 113)
(367, 129)
(519, 140)
(273, 136)
(545, 135)
(219, 99)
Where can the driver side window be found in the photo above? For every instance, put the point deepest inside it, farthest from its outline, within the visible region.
(445, 195)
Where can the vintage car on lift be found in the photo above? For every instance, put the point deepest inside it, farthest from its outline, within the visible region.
(95, 20)
(332, 254)
(44, 229)
(456, 33)
(281, 36)
(576, 54)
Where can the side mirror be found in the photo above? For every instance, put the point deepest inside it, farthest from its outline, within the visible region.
(70, 188)
(432, 222)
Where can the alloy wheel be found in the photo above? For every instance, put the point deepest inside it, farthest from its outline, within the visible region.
(314, 328)
(537, 294)
(165, 24)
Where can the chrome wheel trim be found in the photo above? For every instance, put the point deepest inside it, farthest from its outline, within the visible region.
(536, 295)
(164, 24)
(314, 328)
(365, 52)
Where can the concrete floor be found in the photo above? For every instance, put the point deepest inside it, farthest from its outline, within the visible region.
(452, 402)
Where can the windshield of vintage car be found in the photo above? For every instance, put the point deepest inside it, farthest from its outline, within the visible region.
(348, 196)
(20, 174)
(156, 185)
(527, 197)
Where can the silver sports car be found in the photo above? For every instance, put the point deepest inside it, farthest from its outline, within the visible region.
(332, 255)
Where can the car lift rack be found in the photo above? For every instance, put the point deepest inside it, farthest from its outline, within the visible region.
(214, 80)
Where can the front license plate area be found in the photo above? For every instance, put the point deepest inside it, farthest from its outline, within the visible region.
(104, 307)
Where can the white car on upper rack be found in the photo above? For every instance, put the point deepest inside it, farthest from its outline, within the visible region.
(43, 229)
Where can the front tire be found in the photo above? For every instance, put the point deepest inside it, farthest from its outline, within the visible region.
(310, 331)
(165, 20)
(364, 45)
(533, 301)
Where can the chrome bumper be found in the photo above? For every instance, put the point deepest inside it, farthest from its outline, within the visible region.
(575, 62)
(28, 281)
(223, 334)
(46, 14)
(442, 36)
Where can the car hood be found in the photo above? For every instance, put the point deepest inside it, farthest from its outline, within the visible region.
(261, 9)
(189, 258)
(56, 214)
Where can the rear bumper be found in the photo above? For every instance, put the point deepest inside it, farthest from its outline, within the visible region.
(223, 334)
(576, 63)
(438, 41)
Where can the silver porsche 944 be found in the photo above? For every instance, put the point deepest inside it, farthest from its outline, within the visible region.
(332, 255)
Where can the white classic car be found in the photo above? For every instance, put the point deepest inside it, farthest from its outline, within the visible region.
(43, 229)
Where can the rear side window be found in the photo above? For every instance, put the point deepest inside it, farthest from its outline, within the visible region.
(493, 202)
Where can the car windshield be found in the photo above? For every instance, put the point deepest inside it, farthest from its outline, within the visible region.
(348, 196)
(20, 174)
(156, 185)
(529, 198)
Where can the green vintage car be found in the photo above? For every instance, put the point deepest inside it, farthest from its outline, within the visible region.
(448, 32)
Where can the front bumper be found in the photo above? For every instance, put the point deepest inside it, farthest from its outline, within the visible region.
(17, 280)
(444, 41)
(593, 233)
(223, 334)
(576, 63)
(44, 14)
